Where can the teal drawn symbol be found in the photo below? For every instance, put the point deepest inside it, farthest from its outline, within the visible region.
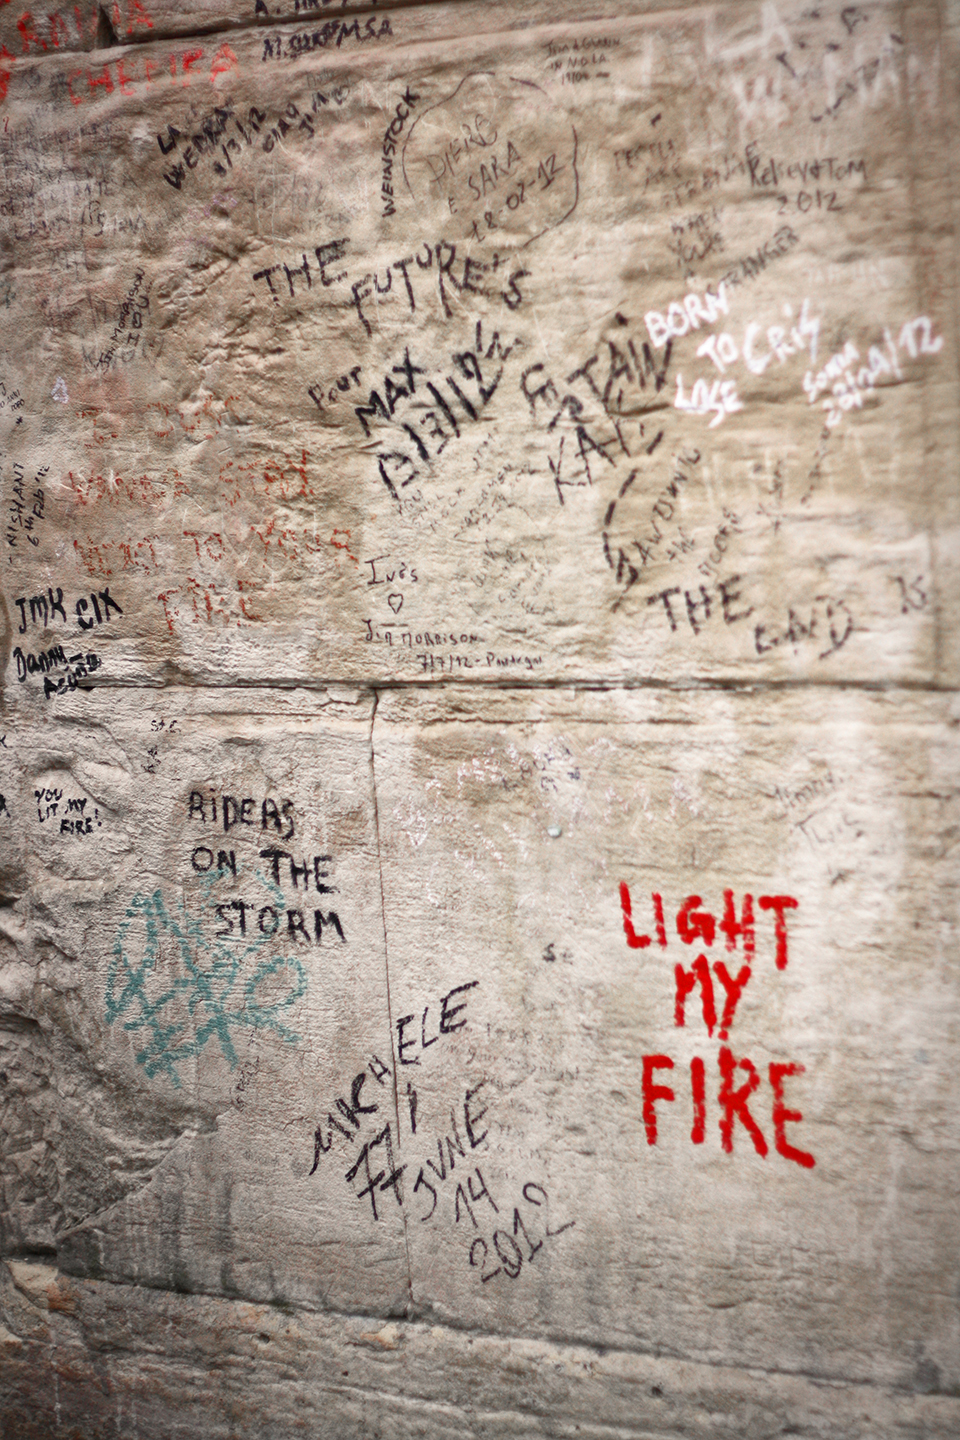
(220, 989)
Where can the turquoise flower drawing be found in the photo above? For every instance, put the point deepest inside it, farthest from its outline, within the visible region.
(168, 980)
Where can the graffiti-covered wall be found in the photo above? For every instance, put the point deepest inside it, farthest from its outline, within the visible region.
(478, 749)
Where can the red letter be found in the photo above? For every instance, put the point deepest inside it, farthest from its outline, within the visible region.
(653, 1092)
(77, 99)
(166, 609)
(730, 927)
(781, 1115)
(188, 58)
(699, 1088)
(658, 917)
(778, 904)
(24, 25)
(138, 16)
(686, 979)
(223, 60)
(693, 924)
(734, 1102)
(123, 79)
(94, 21)
(734, 989)
(58, 28)
(104, 80)
(635, 941)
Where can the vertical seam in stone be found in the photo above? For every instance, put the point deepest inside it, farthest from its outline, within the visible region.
(936, 549)
(386, 971)
(930, 518)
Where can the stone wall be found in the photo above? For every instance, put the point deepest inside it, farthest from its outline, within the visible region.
(478, 764)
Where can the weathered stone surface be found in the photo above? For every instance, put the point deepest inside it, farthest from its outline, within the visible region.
(478, 765)
(356, 363)
(512, 1067)
(530, 813)
(146, 1363)
(199, 929)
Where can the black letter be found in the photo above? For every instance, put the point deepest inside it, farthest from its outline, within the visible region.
(471, 1120)
(108, 601)
(359, 295)
(405, 1044)
(447, 1015)
(665, 597)
(295, 923)
(727, 599)
(275, 856)
(319, 920)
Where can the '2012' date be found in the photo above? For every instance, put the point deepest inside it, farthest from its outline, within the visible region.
(508, 1252)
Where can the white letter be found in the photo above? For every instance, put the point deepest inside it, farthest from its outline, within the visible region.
(683, 321)
(756, 363)
(657, 327)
